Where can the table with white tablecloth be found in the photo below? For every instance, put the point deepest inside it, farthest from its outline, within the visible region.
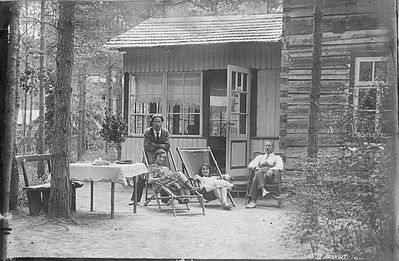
(107, 173)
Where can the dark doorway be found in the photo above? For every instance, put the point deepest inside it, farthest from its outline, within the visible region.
(215, 94)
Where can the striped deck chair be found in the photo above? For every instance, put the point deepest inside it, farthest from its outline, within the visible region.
(192, 159)
(164, 194)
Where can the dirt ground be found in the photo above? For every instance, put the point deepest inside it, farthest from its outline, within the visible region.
(238, 233)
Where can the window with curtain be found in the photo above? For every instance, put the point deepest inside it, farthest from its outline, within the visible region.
(177, 96)
(370, 93)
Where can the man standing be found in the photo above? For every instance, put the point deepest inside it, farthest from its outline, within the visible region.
(155, 137)
(264, 168)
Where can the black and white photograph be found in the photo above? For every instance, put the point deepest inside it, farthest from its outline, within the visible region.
(199, 130)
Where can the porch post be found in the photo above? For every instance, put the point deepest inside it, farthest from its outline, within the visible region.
(126, 96)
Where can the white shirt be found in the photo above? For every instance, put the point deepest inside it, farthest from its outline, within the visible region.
(157, 133)
(272, 159)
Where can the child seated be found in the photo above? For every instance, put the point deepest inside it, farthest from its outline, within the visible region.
(212, 187)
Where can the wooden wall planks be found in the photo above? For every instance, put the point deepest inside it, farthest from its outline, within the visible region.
(133, 146)
(351, 27)
(203, 57)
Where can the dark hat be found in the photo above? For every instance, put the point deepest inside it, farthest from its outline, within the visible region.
(156, 116)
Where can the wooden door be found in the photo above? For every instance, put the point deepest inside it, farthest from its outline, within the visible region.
(238, 114)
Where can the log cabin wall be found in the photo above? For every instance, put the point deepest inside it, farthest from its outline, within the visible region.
(351, 28)
(263, 58)
(266, 110)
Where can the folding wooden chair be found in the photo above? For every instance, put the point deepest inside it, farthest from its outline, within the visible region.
(275, 189)
(163, 194)
(193, 158)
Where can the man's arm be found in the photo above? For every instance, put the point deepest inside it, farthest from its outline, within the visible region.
(279, 165)
(149, 144)
(254, 164)
(165, 142)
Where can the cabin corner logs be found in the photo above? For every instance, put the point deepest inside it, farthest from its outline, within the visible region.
(351, 28)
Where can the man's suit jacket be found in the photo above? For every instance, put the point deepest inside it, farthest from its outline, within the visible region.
(151, 144)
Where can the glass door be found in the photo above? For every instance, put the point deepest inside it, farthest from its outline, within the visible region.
(237, 126)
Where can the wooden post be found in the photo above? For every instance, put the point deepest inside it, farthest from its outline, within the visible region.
(112, 198)
(91, 194)
(135, 194)
(314, 95)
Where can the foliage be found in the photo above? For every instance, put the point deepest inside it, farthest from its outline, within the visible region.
(175, 8)
(343, 205)
(114, 127)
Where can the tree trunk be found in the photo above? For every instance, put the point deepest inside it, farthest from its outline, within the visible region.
(26, 81)
(60, 194)
(312, 146)
(14, 186)
(14, 183)
(8, 65)
(40, 140)
(82, 113)
(109, 84)
(30, 125)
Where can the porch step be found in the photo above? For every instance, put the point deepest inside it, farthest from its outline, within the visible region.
(240, 189)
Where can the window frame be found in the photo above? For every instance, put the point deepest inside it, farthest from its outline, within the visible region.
(377, 85)
(133, 80)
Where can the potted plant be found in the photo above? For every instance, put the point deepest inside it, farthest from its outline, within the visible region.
(114, 129)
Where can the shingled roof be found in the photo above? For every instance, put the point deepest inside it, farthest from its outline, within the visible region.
(201, 30)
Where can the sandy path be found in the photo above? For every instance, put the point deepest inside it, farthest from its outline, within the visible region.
(239, 233)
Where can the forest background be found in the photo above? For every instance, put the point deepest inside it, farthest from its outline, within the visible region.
(96, 90)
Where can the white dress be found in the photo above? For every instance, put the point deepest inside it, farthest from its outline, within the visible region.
(211, 183)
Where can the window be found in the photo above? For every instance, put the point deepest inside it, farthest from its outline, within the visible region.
(371, 77)
(177, 96)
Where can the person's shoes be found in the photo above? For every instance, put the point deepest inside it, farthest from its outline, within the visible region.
(264, 192)
(131, 203)
(172, 202)
(226, 206)
(251, 205)
(76, 184)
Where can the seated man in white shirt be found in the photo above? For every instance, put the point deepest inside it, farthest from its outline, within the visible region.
(265, 167)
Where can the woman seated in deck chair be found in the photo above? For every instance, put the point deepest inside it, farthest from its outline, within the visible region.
(162, 175)
(213, 188)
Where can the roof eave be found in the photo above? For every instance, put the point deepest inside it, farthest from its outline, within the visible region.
(122, 48)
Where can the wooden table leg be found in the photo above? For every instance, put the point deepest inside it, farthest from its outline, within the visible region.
(135, 194)
(112, 198)
(91, 194)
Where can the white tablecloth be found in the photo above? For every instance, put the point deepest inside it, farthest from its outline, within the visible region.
(111, 173)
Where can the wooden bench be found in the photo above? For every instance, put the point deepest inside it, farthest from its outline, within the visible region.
(38, 195)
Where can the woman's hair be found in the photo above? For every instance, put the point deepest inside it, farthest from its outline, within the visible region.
(159, 151)
(204, 164)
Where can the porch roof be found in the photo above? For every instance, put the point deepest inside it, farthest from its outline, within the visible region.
(198, 30)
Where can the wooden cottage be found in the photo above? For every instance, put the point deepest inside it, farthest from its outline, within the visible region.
(216, 79)
(357, 62)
